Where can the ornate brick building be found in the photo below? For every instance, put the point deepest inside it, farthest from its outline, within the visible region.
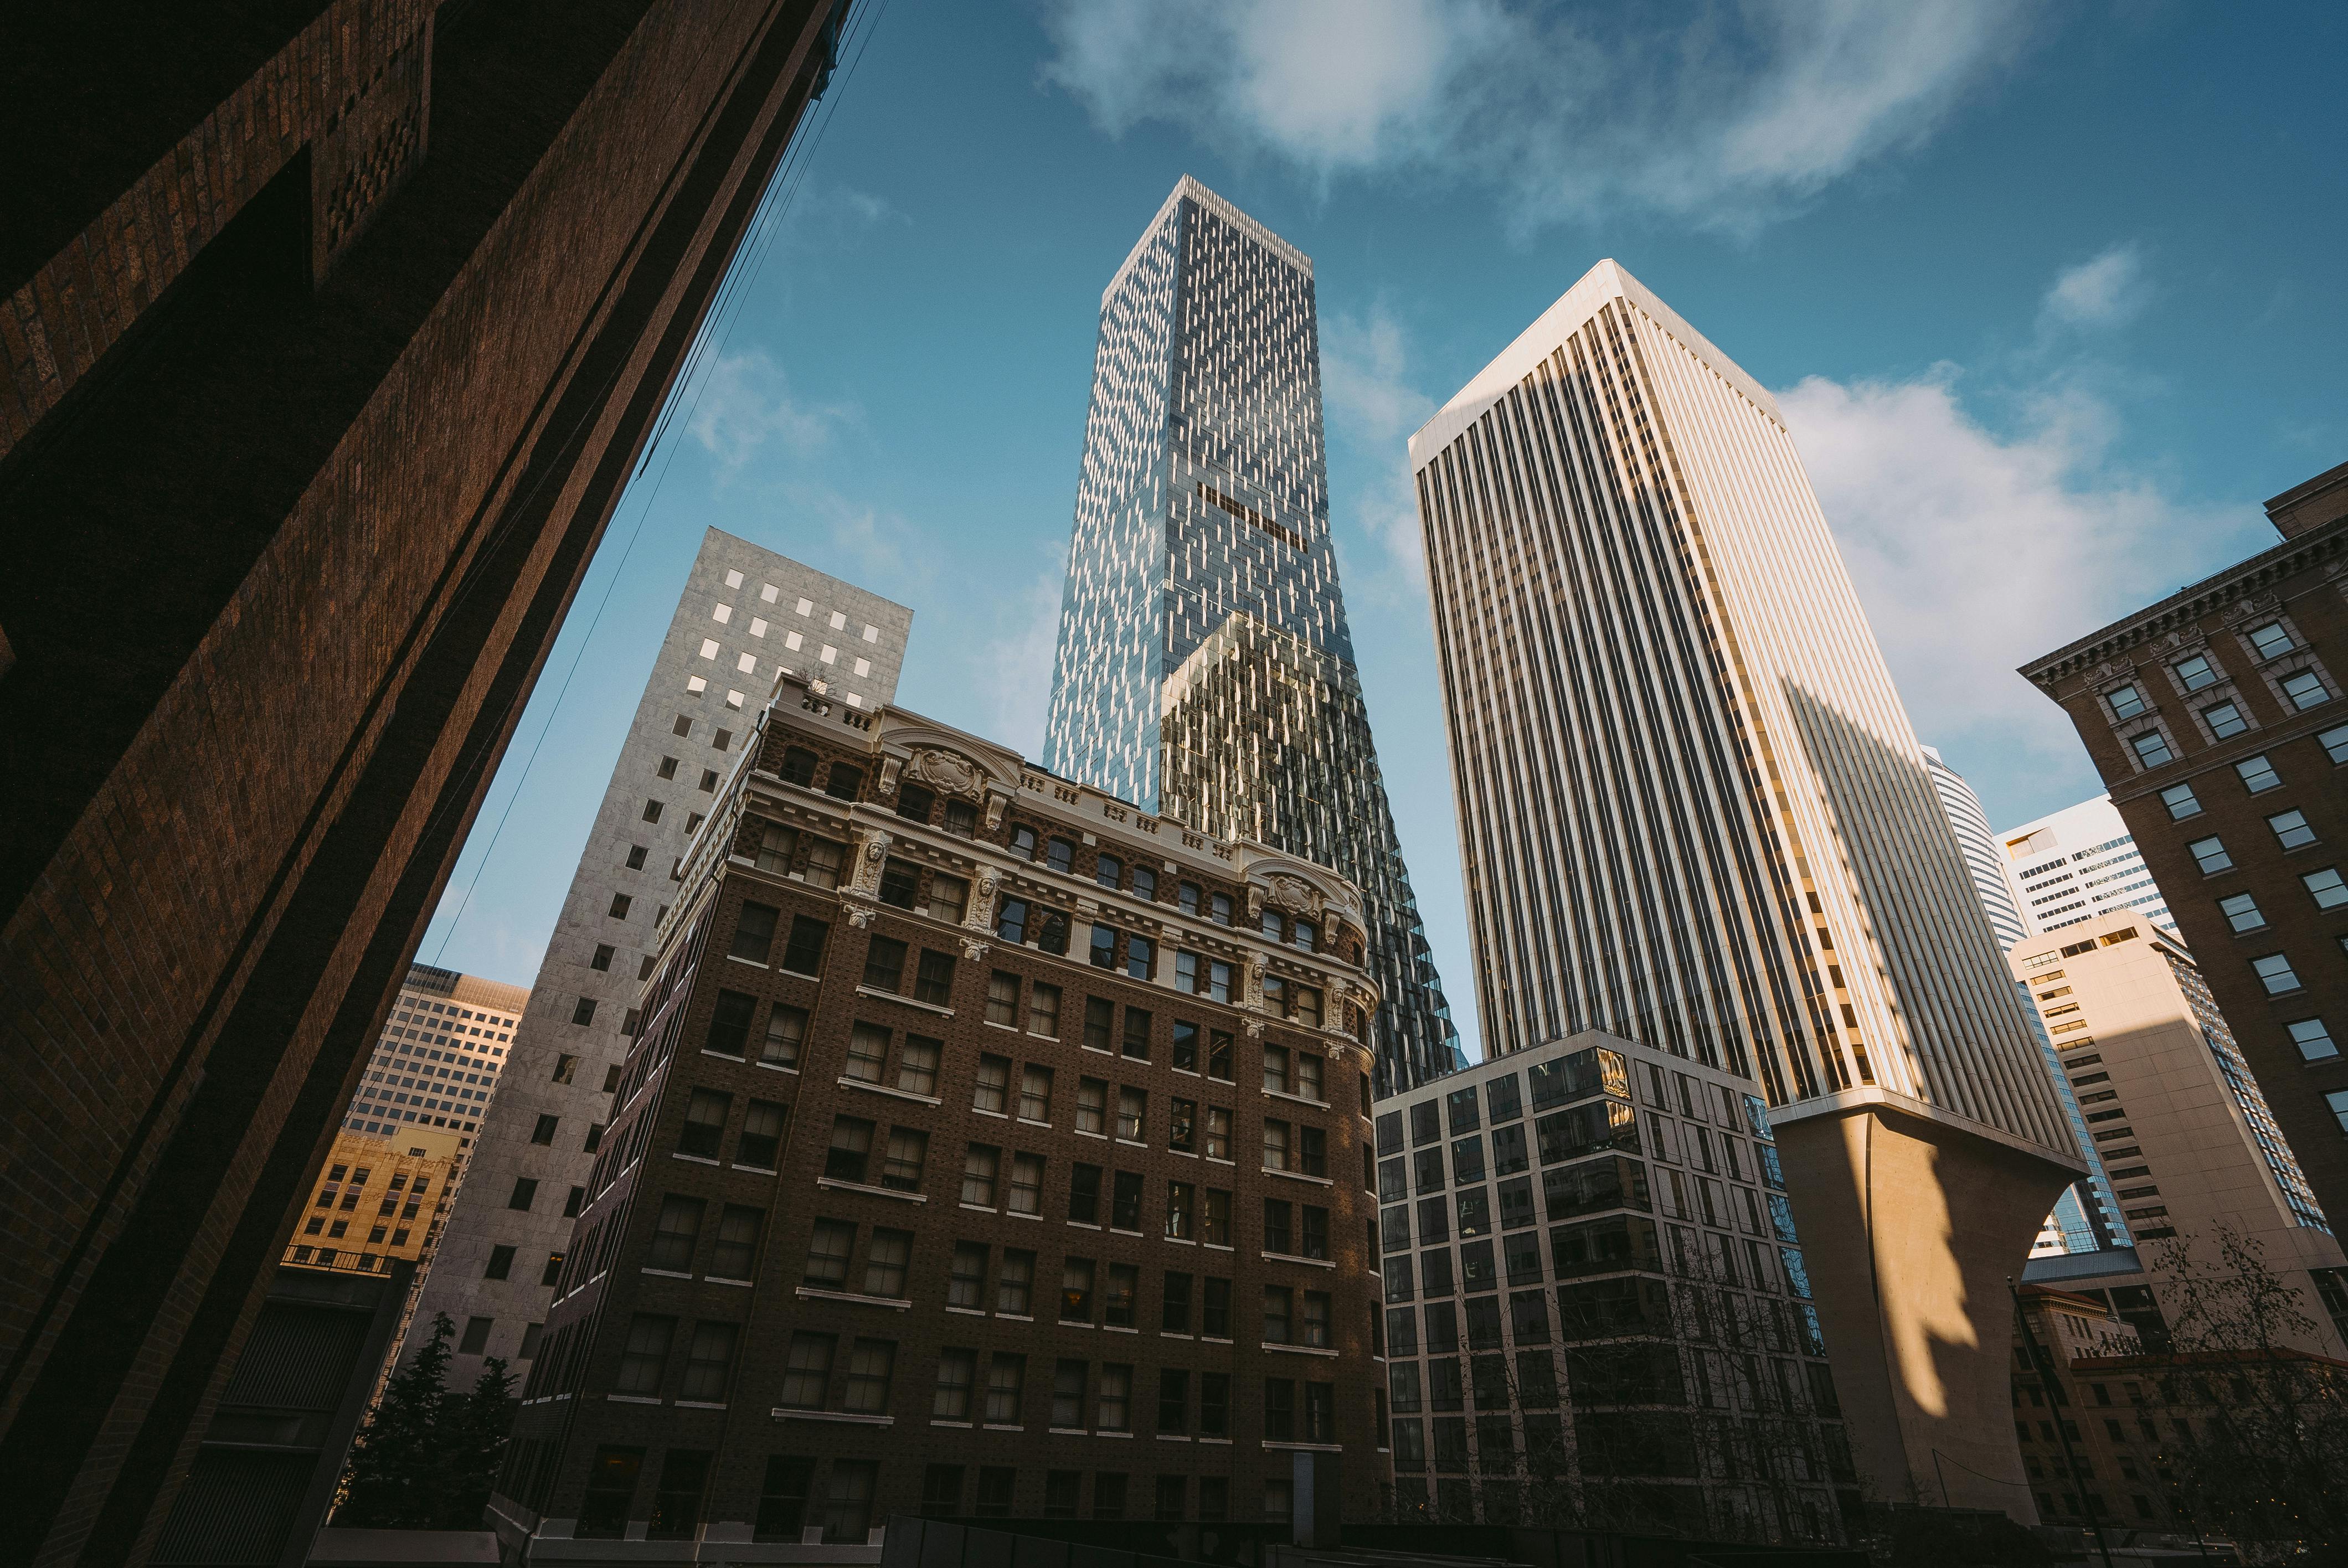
(990, 1147)
(329, 334)
(2218, 722)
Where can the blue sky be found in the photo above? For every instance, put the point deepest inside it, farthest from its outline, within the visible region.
(2051, 298)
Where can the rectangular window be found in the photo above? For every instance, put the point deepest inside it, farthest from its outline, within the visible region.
(2326, 887)
(785, 1035)
(868, 1053)
(847, 1488)
(705, 1124)
(2271, 640)
(829, 1250)
(2225, 720)
(1182, 1127)
(737, 1251)
(966, 1276)
(1003, 999)
(887, 1256)
(2241, 912)
(1136, 1043)
(2334, 742)
(871, 1366)
(1219, 1133)
(729, 1024)
(2151, 748)
(1068, 1378)
(2195, 671)
(1182, 1200)
(754, 932)
(1076, 1290)
(1173, 1402)
(1100, 1017)
(2274, 973)
(933, 982)
(1116, 1404)
(990, 1091)
(1275, 1145)
(803, 954)
(1091, 1105)
(898, 882)
(2180, 801)
(1279, 1228)
(1125, 1202)
(1174, 1304)
(1214, 1404)
(709, 1363)
(2211, 855)
(901, 1163)
(1218, 1055)
(1044, 1011)
(1140, 957)
(1215, 1219)
(1132, 1113)
(827, 860)
(957, 1374)
(1015, 1283)
(884, 964)
(949, 898)
(676, 1233)
(917, 1064)
(1026, 1192)
(807, 1371)
(2290, 830)
(852, 1149)
(2305, 689)
(2257, 775)
(1084, 1195)
(979, 1166)
(1123, 1292)
(782, 1497)
(1035, 1094)
(2126, 701)
(643, 1359)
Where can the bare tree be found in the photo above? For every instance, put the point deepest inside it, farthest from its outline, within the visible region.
(2257, 1439)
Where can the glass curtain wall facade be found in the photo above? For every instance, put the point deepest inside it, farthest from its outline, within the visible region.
(1205, 672)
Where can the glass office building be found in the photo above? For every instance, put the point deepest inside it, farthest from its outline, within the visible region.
(1205, 672)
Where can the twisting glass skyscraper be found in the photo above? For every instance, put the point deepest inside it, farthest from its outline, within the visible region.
(1205, 672)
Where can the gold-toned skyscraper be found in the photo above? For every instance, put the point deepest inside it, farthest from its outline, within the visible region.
(1693, 812)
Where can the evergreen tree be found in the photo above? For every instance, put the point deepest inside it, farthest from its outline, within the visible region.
(395, 1480)
(473, 1444)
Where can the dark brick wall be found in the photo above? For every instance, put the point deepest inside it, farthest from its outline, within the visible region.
(567, 1416)
(2304, 584)
(285, 565)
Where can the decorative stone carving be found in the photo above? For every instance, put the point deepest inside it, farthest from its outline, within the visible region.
(972, 950)
(1255, 1028)
(1295, 894)
(887, 783)
(994, 803)
(1254, 995)
(1255, 903)
(947, 772)
(859, 916)
(2252, 604)
(867, 873)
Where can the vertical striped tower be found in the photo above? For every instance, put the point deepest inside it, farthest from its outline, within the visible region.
(1693, 812)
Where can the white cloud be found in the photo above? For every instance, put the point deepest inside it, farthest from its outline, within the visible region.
(2108, 290)
(1720, 115)
(1975, 551)
(745, 401)
(1012, 671)
(1371, 407)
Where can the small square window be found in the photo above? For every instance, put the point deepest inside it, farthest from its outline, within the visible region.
(2210, 854)
(2126, 703)
(2241, 912)
(695, 685)
(2326, 887)
(2152, 749)
(709, 648)
(2274, 973)
(766, 592)
(2335, 743)
(684, 725)
(2290, 830)
(2271, 639)
(2196, 673)
(2257, 775)
(732, 580)
(2225, 720)
(2314, 1039)
(2305, 689)
(2180, 801)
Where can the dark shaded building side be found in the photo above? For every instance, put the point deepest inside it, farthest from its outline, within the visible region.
(329, 334)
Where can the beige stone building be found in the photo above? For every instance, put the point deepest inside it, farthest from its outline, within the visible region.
(2177, 1120)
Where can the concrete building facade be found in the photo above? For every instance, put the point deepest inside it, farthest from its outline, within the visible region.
(2178, 1122)
(991, 1146)
(2216, 718)
(745, 614)
(1205, 667)
(2070, 865)
(1693, 814)
(1609, 1222)
(438, 1061)
(328, 339)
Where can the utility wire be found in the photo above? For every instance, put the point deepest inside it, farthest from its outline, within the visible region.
(701, 362)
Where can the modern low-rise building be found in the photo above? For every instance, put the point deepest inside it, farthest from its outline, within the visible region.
(991, 1146)
(1597, 1310)
(744, 614)
(2178, 1123)
(2218, 721)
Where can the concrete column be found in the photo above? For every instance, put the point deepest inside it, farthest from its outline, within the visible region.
(1910, 1226)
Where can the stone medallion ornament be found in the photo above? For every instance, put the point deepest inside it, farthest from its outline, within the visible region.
(945, 772)
(1294, 895)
